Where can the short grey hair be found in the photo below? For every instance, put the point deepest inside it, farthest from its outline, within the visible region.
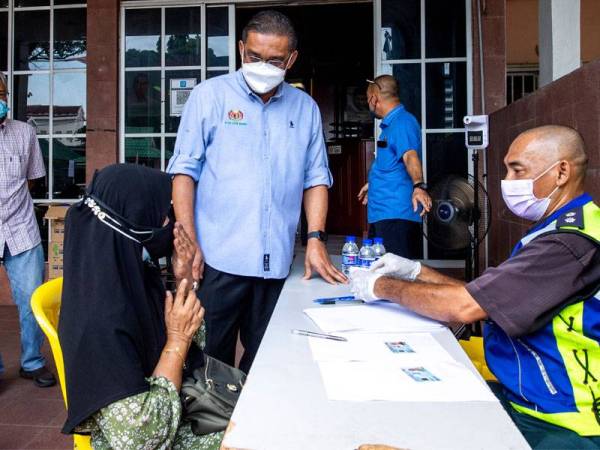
(3, 80)
(272, 22)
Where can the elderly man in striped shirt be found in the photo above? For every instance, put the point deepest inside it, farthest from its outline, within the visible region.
(20, 243)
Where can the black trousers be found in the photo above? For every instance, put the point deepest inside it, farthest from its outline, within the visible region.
(400, 237)
(236, 304)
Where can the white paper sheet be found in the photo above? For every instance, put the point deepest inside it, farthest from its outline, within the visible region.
(378, 316)
(399, 347)
(378, 380)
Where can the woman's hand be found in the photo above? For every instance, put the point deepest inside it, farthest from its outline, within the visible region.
(183, 315)
(183, 254)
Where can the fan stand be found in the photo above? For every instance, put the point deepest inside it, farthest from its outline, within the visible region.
(472, 258)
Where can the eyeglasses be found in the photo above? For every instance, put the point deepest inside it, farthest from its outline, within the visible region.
(274, 62)
(375, 83)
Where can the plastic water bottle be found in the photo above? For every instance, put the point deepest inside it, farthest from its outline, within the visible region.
(378, 248)
(349, 255)
(367, 255)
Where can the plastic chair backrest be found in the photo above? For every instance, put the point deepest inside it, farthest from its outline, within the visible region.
(474, 350)
(45, 304)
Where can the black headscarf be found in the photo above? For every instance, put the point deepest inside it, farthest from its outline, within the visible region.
(112, 328)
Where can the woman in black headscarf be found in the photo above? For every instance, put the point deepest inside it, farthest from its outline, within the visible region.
(124, 339)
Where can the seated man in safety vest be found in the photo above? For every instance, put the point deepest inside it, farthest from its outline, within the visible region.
(542, 305)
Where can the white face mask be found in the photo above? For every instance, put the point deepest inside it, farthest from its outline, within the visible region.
(520, 199)
(262, 77)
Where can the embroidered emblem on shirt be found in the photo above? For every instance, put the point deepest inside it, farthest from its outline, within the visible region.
(236, 117)
(291, 124)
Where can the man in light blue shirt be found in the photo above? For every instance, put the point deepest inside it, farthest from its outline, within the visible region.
(397, 196)
(249, 149)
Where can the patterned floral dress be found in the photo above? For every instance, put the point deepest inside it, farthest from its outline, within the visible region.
(148, 421)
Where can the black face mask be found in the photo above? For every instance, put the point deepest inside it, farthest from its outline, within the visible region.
(160, 244)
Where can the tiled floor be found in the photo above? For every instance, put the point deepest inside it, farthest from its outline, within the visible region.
(30, 417)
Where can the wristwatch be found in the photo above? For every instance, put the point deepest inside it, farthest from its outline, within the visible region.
(320, 235)
(420, 185)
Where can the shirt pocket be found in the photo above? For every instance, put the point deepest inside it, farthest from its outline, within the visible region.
(12, 167)
(386, 158)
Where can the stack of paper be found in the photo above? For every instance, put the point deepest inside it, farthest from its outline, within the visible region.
(388, 355)
(372, 317)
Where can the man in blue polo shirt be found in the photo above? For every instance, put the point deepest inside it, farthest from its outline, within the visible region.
(249, 150)
(396, 195)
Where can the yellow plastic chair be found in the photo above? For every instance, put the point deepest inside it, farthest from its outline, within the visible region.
(45, 304)
(474, 350)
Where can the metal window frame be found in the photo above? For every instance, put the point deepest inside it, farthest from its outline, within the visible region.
(50, 72)
(163, 69)
(386, 67)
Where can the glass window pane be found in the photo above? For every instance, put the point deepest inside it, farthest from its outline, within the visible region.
(217, 29)
(142, 37)
(446, 94)
(39, 190)
(175, 97)
(142, 102)
(32, 40)
(23, 3)
(68, 160)
(3, 3)
(68, 112)
(70, 2)
(446, 155)
(70, 44)
(215, 73)
(144, 151)
(31, 97)
(3, 41)
(445, 29)
(183, 38)
(169, 147)
(409, 79)
(400, 33)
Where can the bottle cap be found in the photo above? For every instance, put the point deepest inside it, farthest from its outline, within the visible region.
(378, 240)
(350, 238)
(367, 242)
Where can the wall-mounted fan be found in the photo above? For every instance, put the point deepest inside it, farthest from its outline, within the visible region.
(459, 218)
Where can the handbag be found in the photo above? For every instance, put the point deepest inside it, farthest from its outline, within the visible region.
(210, 394)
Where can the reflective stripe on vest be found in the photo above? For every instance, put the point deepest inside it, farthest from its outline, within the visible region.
(553, 374)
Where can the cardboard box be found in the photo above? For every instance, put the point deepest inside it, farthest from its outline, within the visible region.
(56, 217)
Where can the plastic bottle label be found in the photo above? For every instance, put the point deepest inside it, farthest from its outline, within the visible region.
(349, 260)
(366, 262)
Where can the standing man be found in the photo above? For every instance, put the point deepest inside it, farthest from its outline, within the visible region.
(249, 148)
(396, 189)
(20, 243)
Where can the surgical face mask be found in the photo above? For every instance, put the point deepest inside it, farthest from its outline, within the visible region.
(160, 244)
(520, 199)
(156, 242)
(3, 109)
(262, 77)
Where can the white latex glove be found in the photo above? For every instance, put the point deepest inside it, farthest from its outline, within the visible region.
(362, 283)
(396, 266)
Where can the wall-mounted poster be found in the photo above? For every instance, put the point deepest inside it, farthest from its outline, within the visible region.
(180, 91)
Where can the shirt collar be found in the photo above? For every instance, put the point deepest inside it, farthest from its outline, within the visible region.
(390, 116)
(242, 82)
(575, 203)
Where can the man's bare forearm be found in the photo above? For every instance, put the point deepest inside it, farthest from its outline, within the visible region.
(429, 275)
(446, 303)
(184, 191)
(413, 166)
(315, 204)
